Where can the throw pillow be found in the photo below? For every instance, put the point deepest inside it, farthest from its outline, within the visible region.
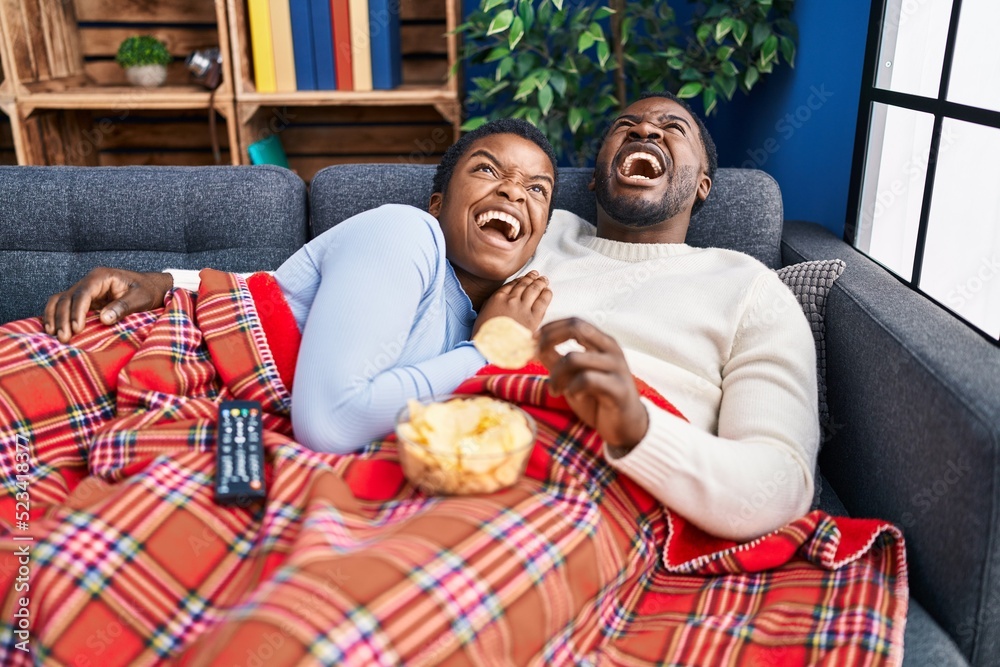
(811, 282)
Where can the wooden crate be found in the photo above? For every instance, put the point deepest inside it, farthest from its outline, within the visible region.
(316, 137)
(66, 85)
(389, 125)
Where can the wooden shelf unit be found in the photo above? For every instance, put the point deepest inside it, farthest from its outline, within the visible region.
(428, 46)
(65, 94)
(68, 102)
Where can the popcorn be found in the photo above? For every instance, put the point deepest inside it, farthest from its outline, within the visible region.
(464, 445)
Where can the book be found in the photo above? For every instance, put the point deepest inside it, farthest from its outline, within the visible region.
(361, 49)
(281, 39)
(302, 44)
(260, 44)
(322, 39)
(383, 28)
(341, 16)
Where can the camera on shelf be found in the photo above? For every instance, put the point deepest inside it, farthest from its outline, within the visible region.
(205, 66)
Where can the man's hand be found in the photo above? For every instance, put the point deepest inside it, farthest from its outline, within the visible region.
(525, 299)
(596, 383)
(115, 291)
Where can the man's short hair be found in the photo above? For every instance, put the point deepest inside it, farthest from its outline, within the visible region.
(518, 126)
(711, 155)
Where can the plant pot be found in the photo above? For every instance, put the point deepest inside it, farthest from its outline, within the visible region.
(147, 76)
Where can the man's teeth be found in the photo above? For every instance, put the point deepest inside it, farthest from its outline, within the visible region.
(647, 157)
(513, 224)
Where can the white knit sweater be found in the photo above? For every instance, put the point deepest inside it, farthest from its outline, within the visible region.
(723, 339)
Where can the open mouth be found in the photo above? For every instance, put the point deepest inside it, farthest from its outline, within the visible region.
(641, 164)
(504, 223)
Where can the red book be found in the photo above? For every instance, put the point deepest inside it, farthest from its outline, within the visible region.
(340, 14)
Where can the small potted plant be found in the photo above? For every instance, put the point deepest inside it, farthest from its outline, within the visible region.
(145, 60)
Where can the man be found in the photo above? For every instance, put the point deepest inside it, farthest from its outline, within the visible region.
(696, 324)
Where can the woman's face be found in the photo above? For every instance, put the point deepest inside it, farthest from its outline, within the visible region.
(496, 207)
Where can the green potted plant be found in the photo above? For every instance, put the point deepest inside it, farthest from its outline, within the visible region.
(563, 65)
(145, 60)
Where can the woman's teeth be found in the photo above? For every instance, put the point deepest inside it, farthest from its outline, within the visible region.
(513, 224)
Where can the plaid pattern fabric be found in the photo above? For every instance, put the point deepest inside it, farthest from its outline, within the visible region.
(133, 563)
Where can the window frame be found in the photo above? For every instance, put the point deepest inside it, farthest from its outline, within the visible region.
(940, 108)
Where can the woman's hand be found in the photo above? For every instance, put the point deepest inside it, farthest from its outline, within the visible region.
(117, 292)
(524, 299)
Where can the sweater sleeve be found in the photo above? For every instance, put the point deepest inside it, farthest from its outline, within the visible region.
(349, 384)
(756, 474)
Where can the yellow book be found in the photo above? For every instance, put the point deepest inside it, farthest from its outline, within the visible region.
(361, 45)
(260, 43)
(281, 37)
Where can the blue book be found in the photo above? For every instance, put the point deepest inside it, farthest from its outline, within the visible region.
(387, 64)
(302, 44)
(322, 34)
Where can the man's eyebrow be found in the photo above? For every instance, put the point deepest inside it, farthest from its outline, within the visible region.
(482, 152)
(636, 119)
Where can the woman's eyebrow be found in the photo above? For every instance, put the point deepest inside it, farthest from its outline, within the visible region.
(482, 152)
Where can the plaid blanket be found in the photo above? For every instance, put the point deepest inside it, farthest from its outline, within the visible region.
(112, 551)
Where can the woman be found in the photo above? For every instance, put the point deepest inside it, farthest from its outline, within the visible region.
(387, 300)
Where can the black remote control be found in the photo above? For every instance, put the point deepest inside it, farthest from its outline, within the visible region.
(239, 459)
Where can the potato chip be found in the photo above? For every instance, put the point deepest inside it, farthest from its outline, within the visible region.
(465, 445)
(505, 342)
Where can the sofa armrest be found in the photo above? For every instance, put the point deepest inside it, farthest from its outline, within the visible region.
(914, 398)
(57, 223)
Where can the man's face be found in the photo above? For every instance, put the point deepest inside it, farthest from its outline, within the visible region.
(496, 207)
(651, 166)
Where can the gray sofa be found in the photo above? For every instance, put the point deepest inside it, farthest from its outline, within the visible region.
(914, 395)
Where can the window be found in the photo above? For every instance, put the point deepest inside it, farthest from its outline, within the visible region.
(925, 194)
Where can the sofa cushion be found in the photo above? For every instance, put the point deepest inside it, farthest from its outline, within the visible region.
(743, 211)
(56, 223)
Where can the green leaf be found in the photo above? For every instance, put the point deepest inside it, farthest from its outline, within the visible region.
(722, 29)
(729, 68)
(516, 32)
(558, 83)
(606, 102)
(525, 88)
(558, 4)
(527, 11)
(627, 24)
(500, 22)
(542, 77)
(703, 33)
(497, 53)
(490, 4)
(689, 90)
(709, 99)
(788, 50)
(534, 116)
(723, 52)
(716, 10)
(766, 4)
(497, 88)
(726, 85)
(603, 53)
(770, 49)
(740, 30)
(597, 31)
(603, 13)
(690, 74)
(761, 31)
(545, 97)
(751, 77)
(585, 42)
(675, 63)
(575, 118)
(473, 123)
(504, 68)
